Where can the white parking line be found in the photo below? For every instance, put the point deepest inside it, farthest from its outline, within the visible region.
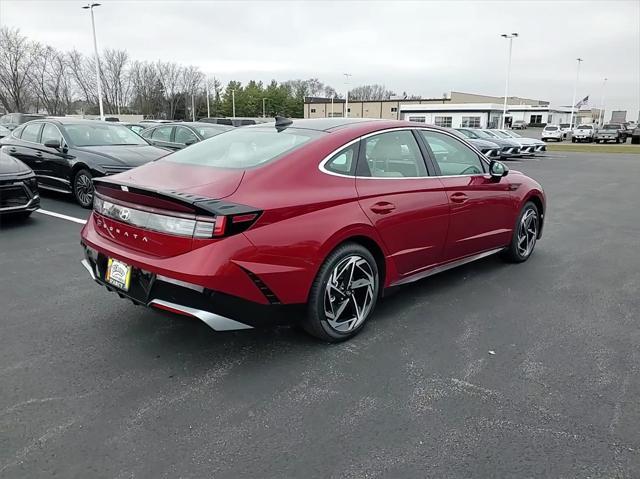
(61, 216)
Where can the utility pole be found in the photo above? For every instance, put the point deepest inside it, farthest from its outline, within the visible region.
(208, 107)
(264, 110)
(233, 102)
(601, 112)
(575, 91)
(510, 37)
(193, 107)
(346, 103)
(90, 7)
(332, 105)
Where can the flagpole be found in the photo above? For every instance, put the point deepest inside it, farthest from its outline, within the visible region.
(575, 91)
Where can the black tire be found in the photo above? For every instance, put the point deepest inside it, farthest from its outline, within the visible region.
(573, 140)
(513, 252)
(83, 190)
(316, 321)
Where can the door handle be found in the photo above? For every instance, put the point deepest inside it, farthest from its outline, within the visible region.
(459, 197)
(383, 207)
(13, 150)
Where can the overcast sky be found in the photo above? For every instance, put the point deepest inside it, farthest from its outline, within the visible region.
(423, 48)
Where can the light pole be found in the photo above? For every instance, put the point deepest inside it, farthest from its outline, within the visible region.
(208, 107)
(90, 7)
(575, 91)
(264, 110)
(332, 97)
(510, 37)
(346, 103)
(601, 112)
(233, 102)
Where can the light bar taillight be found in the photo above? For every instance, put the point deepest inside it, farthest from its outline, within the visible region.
(190, 226)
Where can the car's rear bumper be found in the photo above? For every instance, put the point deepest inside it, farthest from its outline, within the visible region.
(220, 311)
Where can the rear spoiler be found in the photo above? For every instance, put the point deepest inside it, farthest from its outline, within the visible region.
(195, 203)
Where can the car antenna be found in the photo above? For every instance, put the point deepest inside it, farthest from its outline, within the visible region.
(282, 122)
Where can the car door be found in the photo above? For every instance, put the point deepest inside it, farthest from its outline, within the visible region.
(183, 137)
(481, 207)
(27, 146)
(56, 170)
(408, 207)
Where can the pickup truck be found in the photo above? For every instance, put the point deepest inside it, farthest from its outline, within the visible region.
(610, 132)
(583, 133)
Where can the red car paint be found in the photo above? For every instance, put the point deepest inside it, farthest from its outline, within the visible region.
(412, 224)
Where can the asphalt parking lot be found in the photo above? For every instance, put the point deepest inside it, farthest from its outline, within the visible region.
(92, 386)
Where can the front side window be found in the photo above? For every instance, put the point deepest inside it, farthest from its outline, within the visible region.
(471, 122)
(443, 121)
(31, 132)
(184, 135)
(49, 133)
(344, 161)
(244, 147)
(101, 134)
(394, 154)
(452, 156)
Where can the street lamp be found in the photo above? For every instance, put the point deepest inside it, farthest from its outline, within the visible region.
(601, 112)
(264, 111)
(510, 37)
(90, 7)
(346, 104)
(575, 91)
(233, 102)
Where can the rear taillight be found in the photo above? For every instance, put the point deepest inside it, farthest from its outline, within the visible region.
(201, 227)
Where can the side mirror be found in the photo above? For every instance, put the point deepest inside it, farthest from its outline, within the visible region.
(55, 144)
(498, 169)
(190, 141)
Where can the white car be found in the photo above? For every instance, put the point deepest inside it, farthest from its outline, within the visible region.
(529, 146)
(552, 132)
(583, 133)
(565, 128)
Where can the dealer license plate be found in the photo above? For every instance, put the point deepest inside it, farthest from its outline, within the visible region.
(118, 274)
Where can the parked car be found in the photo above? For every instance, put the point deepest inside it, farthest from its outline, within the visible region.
(153, 122)
(314, 212)
(565, 128)
(635, 136)
(66, 153)
(136, 127)
(488, 148)
(508, 148)
(13, 120)
(583, 133)
(608, 132)
(18, 187)
(175, 136)
(4, 131)
(237, 121)
(552, 132)
(519, 125)
(528, 146)
(624, 131)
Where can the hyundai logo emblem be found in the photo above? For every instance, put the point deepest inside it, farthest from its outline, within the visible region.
(124, 214)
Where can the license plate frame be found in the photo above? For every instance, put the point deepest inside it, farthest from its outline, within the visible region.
(118, 274)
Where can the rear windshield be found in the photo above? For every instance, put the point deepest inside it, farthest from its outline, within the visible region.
(564, 125)
(209, 131)
(551, 128)
(244, 148)
(611, 127)
(102, 134)
(585, 127)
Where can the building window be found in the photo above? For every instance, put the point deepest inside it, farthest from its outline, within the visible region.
(348, 110)
(444, 121)
(470, 122)
(549, 118)
(535, 119)
(313, 110)
(335, 115)
(418, 119)
(394, 109)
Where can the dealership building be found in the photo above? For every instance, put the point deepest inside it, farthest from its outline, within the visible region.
(456, 109)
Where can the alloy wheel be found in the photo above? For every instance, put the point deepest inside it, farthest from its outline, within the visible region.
(349, 294)
(84, 189)
(527, 233)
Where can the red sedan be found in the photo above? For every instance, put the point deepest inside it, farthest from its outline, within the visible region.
(324, 214)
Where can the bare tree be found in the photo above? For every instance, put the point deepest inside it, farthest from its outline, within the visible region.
(192, 79)
(50, 81)
(115, 79)
(83, 76)
(170, 76)
(17, 55)
(370, 92)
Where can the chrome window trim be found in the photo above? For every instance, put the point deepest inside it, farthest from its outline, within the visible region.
(63, 145)
(444, 132)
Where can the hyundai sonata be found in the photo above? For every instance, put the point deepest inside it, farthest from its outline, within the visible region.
(325, 214)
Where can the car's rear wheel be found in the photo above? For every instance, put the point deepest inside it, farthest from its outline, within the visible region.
(525, 234)
(343, 295)
(83, 188)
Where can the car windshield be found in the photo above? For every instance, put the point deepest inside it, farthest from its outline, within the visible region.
(467, 133)
(102, 134)
(501, 134)
(551, 128)
(244, 147)
(486, 134)
(209, 131)
(511, 134)
(611, 127)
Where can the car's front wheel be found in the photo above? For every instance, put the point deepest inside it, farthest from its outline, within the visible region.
(525, 234)
(343, 295)
(83, 188)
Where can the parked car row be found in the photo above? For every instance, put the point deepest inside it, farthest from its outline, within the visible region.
(509, 143)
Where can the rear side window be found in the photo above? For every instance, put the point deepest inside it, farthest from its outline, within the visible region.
(452, 156)
(343, 162)
(394, 154)
(244, 147)
(183, 135)
(162, 133)
(31, 132)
